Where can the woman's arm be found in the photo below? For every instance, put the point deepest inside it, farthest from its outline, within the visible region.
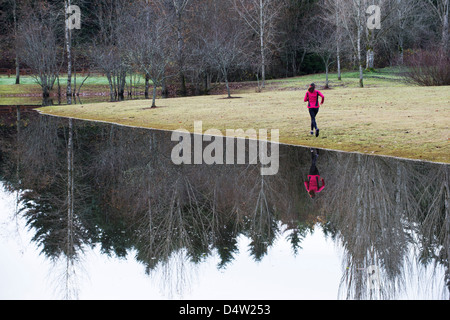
(322, 187)
(322, 96)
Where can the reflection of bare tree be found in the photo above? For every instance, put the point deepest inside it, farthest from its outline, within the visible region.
(52, 202)
(434, 219)
(70, 251)
(387, 209)
(422, 200)
(263, 226)
(367, 226)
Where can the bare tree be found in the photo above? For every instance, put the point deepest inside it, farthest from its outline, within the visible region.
(408, 24)
(338, 37)
(322, 41)
(174, 11)
(38, 47)
(331, 14)
(260, 16)
(389, 19)
(150, 46)
(369, 227)
(353, 20)
(224, 44)
(15, 29)
(441, 9)
(109, 49)
(180, 7)
(68, 47)
(293, 33)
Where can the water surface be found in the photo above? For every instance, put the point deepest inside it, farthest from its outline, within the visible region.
(99, 211)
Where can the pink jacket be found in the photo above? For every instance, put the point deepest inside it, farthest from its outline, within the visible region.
(313, 99)
(313, 183)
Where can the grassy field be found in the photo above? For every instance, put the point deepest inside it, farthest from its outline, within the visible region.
(28, 92)
(387, 117)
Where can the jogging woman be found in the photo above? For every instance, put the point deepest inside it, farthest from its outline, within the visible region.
(312, 97)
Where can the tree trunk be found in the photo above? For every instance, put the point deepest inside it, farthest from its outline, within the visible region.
(74, 77)
(45, 91)
(121, 81)
(361, 79)
(59, 90)
(445, 27)
(370, 57)
(111, 89)
(361, 76)
(227, 84)
(338, 40)
(400, 34)
(147, 85)
(183, 91)
(400, 51)
(370, 54)
(154, 95)
(338, 58)
(70, 194)
(15, 40)
(207, 80)
(17, 69)
(258, 81)
(68, 38)
(294, 64)
(164, 90)
(261, 37)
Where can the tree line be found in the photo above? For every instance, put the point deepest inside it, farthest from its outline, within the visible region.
(187, 45)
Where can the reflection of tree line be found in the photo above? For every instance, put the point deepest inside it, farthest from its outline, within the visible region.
(116, 187)
(379, 210)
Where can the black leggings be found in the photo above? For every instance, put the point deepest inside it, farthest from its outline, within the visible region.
(313, 112)
(313, 171)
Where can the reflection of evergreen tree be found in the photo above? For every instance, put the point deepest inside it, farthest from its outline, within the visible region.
(113, 234)
(262, 239)
(297, 235)
(226, 244)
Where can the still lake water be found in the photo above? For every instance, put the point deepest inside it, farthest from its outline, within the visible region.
(99, 211)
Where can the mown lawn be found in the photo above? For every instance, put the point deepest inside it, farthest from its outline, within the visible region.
(387, 117)
(28, 92)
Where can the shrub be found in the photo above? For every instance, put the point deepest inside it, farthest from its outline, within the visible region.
(428, 68)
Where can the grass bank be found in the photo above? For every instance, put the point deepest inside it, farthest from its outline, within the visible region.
(387, 117)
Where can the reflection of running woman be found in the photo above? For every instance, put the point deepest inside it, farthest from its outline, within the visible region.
(312, 184)
(312, 97)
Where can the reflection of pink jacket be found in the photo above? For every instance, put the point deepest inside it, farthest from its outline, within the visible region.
(313, 99)
(313, 183)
